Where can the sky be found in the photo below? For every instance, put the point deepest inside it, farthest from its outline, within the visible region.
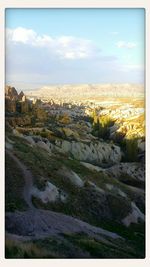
(63, 46)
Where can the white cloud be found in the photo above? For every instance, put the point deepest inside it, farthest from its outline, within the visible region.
(75, 48)
(33, 59)
(65, 40)
(21, 35)
(123, 44)
(68, 47)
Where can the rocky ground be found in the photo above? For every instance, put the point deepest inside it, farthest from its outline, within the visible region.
(70, 191)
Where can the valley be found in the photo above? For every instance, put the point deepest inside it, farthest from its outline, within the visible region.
(75, 172)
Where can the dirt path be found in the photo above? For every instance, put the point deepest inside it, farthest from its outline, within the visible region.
(28, 177)
(38, 223)
(43, 223)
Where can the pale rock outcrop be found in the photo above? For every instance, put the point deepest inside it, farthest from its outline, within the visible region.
(109, 186)
(29, 139)
(134, 216)
(94, 152)
(44, 145)
(10, 141)
(133, 169)
(50, 194)
(76, 180)
(70, 133)
(91, 166)
(71, 176)
(141, 146)
(8, 145)
(16, 133)
(116, 190)
(121, 193)
(98, 189)
(113, 129)
(51, 146)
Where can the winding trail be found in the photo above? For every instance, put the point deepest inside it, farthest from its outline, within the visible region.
(28, 177)
(39, 223)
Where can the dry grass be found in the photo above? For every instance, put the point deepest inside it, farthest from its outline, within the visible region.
(16, 249)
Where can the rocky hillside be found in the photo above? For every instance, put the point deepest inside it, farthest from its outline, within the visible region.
(70, 193)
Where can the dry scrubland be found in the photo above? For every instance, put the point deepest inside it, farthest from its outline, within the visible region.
(75, 172)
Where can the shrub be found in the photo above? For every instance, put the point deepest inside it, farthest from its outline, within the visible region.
(101, 126)
(131, 149)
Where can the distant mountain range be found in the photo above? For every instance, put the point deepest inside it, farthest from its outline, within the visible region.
(88, 91)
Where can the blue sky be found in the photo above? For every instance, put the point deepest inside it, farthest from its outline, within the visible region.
(54, 46)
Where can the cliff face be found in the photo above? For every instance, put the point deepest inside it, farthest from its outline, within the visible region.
(11, 93)
(10, 105)
(20, 110)
(14, 101)
(20, 96)
(99, 153)
(11, 96)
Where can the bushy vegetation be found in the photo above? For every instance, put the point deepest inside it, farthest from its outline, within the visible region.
(131, 149)
(40, 114)
(64, 119)
(101, 125)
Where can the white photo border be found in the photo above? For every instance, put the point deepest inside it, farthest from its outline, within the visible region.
(73, 4)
